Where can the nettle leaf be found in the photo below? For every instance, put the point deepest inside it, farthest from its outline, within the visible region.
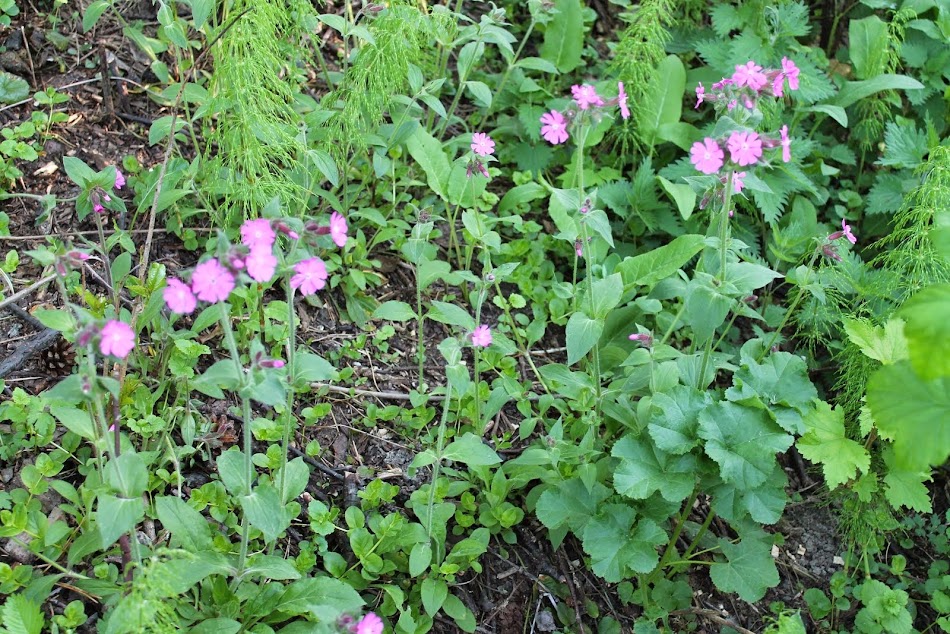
(905, 408)
(827, 443)
(22, 616)
(749, 569)
(644, 470)
(887, 194)
(764, 504)
(742, 441)
(617, 546)
(905, 487)
(904, 145)
(674, 417)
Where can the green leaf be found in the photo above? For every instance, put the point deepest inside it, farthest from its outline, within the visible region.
(310, 367)
(452, 314)
(78, 171)
(837, 113)
(658, 264)
(606, 293)
(265, 511)
(564, 36)
(420, 558)
(927, 329)
(271, 567)
(855, 91)
(782, 379)
(598, 221)
(662, 101)
(570, 504)
(906, 408)
(645, 469)
(582, 334)
(617, 546)
(885, 344)
(74, 419)
(743, 442)
(326, 165)
(867, 38)
(682, 195)
(764, 503)
(295, 475)
(116, 516)
(434, 592)
(13, 88)
(216, 626)
(174, 577)
(200, 10)
(471, 450)
(162, 127)
(428, 153)
(674, 416)
(905, 487)
(127, 474)
(232, 470)
(749, 569)
(187, 526)
(706, 307)
(22, 616)
(748, 277)
(223, 374)
(93, 12)
(460, 613)
(826, 443)
(323, 598)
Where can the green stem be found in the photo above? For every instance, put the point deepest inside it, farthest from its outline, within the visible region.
(699, 535)
(588, 263)
(788, 313)
(107, 262)
(723, 251)
(671, 545)
(289, 413)
(421, 345)
(439, 447)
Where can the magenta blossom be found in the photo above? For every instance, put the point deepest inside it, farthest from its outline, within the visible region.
(786, 144)
(338, 229)
(310, 276)
(645, 338)
(482, 144)
(211, 282)
(586, 96)
(737, 182)
(275, 364)
(257, 233)
(554, 127)
(749, 74)
(791, 71)
(622, 101)
(700, 95)
(370, 624)
(745, 148)
(846, 230)
(116, 338)
(481, 336)
(178, 297)
(261, 264)
(119, 179)
(706, 155)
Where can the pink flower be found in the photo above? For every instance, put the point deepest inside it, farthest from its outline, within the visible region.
(311, 276)
(786, 144)
(554, 127)
(211, 282)
(272, 364)
(749, 74)
(338, 229)
(116, 338)
(178, 297)
(700, 95)
(778, 84)
(370, 624)
(261, 264)
(481, 336)
(790, 70)
(622, 101)
(586, 96)
(257, 233)
(119, 179)
(707, 156)
(745, 148)
(578, 249)
(644, 338)
(737, 183)
(482, 144)
(846, 232)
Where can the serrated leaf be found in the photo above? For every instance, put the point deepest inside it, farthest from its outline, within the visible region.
(881, 343)
(564, 36)
(674, 416)
(904, 145)
(782, 379)
(645, 470)
(927, 330)
(13, 88)
(904, 487)
(743, 442)
(764, 503)
(570, 504)
(618, 547)
(22, 616)
(749, 569)
(826, 443)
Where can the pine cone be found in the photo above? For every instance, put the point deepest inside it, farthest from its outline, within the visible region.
(59, 358)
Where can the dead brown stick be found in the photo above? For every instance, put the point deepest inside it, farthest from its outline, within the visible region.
(26, 291)
(26, 350)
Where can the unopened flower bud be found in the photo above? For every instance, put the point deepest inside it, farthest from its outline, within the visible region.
(829, 251)
(272, 363)
(287, 231)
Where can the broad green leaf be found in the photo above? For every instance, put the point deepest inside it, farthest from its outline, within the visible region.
(837, 113)
(310, 367)
(582, 334)
(295, 477)
(200, 10)
(176, 576)
(471, 450)
(116, 516)
(749, 569)
(618, 546)
(434, 592)
(913, 412)
(683, 195)
(743, 442)
(927, 329)
(127, 474)
(658, 264)
(764, 503)
(121, 266)
(323, 598)
(607, 293)
(903, 487)
(452, 314)
(216, 626)
(460, 613)
(93, 12)
(782, 379)
(187, 526)
(599, 224)
(868, 43)
(223, 374)
(22, 616)
(74, 419)
(265, 511)
(706, 307)
(644, 470)
(674, 416)
(428, 153)
(61, 320)
(231, 469)
(13, 88)
(420, 558)
(885, 344)
(662, 102)
(271, 567)
(826, 443)
(564, 37)
(570, 504)
(855, 91)
(748, 277)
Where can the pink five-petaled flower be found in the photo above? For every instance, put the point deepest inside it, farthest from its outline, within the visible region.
(116, 338)
(481, 336)
(749, 74)
(790, 70)
(257, 234)
(737, 183)
(622, 101)
(178, 297)
(786, 144)
(370, 624)
(586, 96)
(707, 156)
(311, 276)
(482, 144)
(261, 264)
(553, 127)
(338, 229)
(846, 232)
(211, 282)
(745, 148)
(700, 95)
(119, 179)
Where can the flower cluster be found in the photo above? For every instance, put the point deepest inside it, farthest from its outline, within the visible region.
(213, 280)
(554, 124)
(98, 196)
(749, 83)
(482, 147)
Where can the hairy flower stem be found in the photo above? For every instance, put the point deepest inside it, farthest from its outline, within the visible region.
(522, 345)
(225, 319)
(439, 448)
(107, 262)
(289, 413)
(723, 251)
(588, 263)
(421, 345)
(478, 319)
